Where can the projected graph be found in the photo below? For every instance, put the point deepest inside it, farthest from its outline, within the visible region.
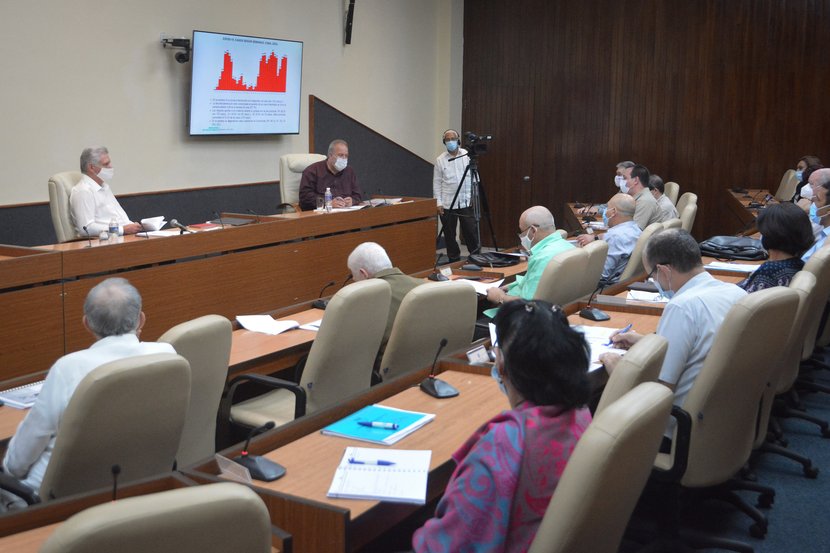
(271, 76)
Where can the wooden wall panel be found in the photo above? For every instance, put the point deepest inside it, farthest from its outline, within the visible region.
(710, 94)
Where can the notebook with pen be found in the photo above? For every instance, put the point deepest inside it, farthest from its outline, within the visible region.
(378, 424)
(395, 475)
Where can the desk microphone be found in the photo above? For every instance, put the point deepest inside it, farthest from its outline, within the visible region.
(320, 303)
(260, 467)
(89, 245)
(435, 387)
(753, 203)
(178, 225)
(436, 274)
(254, 213)
(116, 470)
(219, 217)
(592, 313)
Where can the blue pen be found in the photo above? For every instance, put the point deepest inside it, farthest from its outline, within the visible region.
(622, 331)
(377, 462)
(377, 424)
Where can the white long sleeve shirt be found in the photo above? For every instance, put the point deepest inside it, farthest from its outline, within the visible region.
(93, 206)
(445, 178)
(31, 447)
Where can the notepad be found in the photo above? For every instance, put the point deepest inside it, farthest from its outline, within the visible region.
(349, 427)
(597, 338)
(733, 267)
(22, 397)
(404, 481)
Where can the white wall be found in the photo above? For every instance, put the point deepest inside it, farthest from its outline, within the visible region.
(84, 72)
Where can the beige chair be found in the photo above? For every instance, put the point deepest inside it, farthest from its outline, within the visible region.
(60, 187)
(562, 280)
(339, 364)
(672, 190)
(717, 421)
(291, 172)
(687, 218)
(635, 262)
(417, 331)
(673, 223)
(787, 186)
(128, 413)
(597, 253)
(202, 519)
(605, 475)
(206, 344)
(642, 363)
(686, 199)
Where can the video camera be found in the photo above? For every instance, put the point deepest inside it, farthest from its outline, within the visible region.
(476, 144)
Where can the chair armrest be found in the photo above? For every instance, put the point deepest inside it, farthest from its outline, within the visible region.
(680, 445)
(18, 488)
(270, 382)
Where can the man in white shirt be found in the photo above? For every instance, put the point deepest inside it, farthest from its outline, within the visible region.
(92, 203)
(697, 305)
(636, 185)
(658, 190)
(445, 179)
(112, 313)
(622, 236)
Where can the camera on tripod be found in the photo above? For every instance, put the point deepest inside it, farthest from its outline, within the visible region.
(476, 144)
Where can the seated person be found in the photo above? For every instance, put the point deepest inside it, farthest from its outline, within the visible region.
(801, 167)
(334, 173)
(697, 305)
(622, 236)
(91, 202)
(538, 237)
(636, 184)
(658, 189)
(508, 470)
(819, 210)
(113, 315)
(786, 234)
(619, 177)
(804, 178)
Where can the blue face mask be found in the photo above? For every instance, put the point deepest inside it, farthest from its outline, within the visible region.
(452, 145)
(669, 294)
(494, 372)
(814, 214)
(798, 175)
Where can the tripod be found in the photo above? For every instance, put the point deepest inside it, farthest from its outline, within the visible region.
(478, 197)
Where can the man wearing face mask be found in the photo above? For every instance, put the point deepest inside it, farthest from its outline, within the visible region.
(636, 185)
(819, 210)
(449, 168)
(619, 178)
(91, 202)
(697, 306)
(622, 236)
(538, 236)
(334, 173)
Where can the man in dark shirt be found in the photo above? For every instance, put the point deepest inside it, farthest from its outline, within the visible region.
(333, 172)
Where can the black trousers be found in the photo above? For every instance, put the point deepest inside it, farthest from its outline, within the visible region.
(468, 230)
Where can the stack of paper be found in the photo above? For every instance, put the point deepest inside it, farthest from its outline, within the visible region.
(480, 287)
(732, 267)
(265, 324)
(598, 338)
(396, 475)
(21, 397)
(640, 295)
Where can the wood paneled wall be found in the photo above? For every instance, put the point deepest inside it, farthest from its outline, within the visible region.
(709, 93)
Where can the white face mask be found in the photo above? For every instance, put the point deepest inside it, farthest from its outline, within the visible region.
(619, 180)
(807, 191)
(340, 163)
(526, 241)
(106, 174)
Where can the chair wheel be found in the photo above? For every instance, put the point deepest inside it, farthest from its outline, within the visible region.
(765, 500)
(757, 531)
(811, 472)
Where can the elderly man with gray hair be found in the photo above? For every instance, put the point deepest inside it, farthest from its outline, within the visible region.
(334, 173)
(622, 236)
(92, 204)
(113, 315)
(538, 237)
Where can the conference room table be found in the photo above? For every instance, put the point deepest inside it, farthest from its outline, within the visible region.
(741, 217)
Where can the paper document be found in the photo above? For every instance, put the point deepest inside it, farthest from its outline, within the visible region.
(381, 201)
(22, 397)
(481, 287)
(396, 475)
(313, 325)
(733, 267)
(265, 324)
(598, 338)
(153, 223)
(639, 295)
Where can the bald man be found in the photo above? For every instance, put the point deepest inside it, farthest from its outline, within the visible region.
(537, 234)
(622, 236)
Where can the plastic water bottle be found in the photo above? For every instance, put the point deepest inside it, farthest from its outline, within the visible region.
(328, 200)
(113, 228)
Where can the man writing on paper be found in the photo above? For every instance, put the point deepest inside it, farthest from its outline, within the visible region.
(91, 202)
(334, 173)
(112, 313)
(622, 236)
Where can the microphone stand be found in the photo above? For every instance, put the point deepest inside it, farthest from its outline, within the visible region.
(321, 303)
(435, 387)
(260, 468)
(592, 313)
(219, 217)
(436, 274)
(88, 239)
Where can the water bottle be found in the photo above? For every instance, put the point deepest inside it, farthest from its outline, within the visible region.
(328, 200)
(113, 228)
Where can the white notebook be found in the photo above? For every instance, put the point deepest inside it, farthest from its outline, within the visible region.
(22, 397)
(403, 481)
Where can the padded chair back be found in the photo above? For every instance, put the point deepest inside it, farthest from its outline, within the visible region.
(597, 252)
(605, 475)
(343, 353)
(562, 280)
(819, 266)
(417, 330)
(724, 400)
(687, 217)
(60, 187)
(787, 186)
(673, 223)
(672, 190)
(642, 363)
(129, 413)
(291, 173)
(201, 519)
(206, 344)
(686, 199)
(635, 262)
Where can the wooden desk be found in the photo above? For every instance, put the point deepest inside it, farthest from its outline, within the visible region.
(574, 217)
(298, 502)
(741, 219)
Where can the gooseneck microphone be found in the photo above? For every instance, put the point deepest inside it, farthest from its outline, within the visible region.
(219, 217)
(436, 274)
(320, 303)
(88, 239)
(254, 213)
(260, 467)
(116, 470)
(592, 313)
(434, 386)
(178, 225)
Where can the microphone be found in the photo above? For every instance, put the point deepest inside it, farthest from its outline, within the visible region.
(753, 203)
(434, 386)
(254, 213)
(178, 225)
(219, 217)
(260, 468)
(592, 313)
(116, 470)
(436, 274)
(320, 303)
(380, 193)
(88, 239)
